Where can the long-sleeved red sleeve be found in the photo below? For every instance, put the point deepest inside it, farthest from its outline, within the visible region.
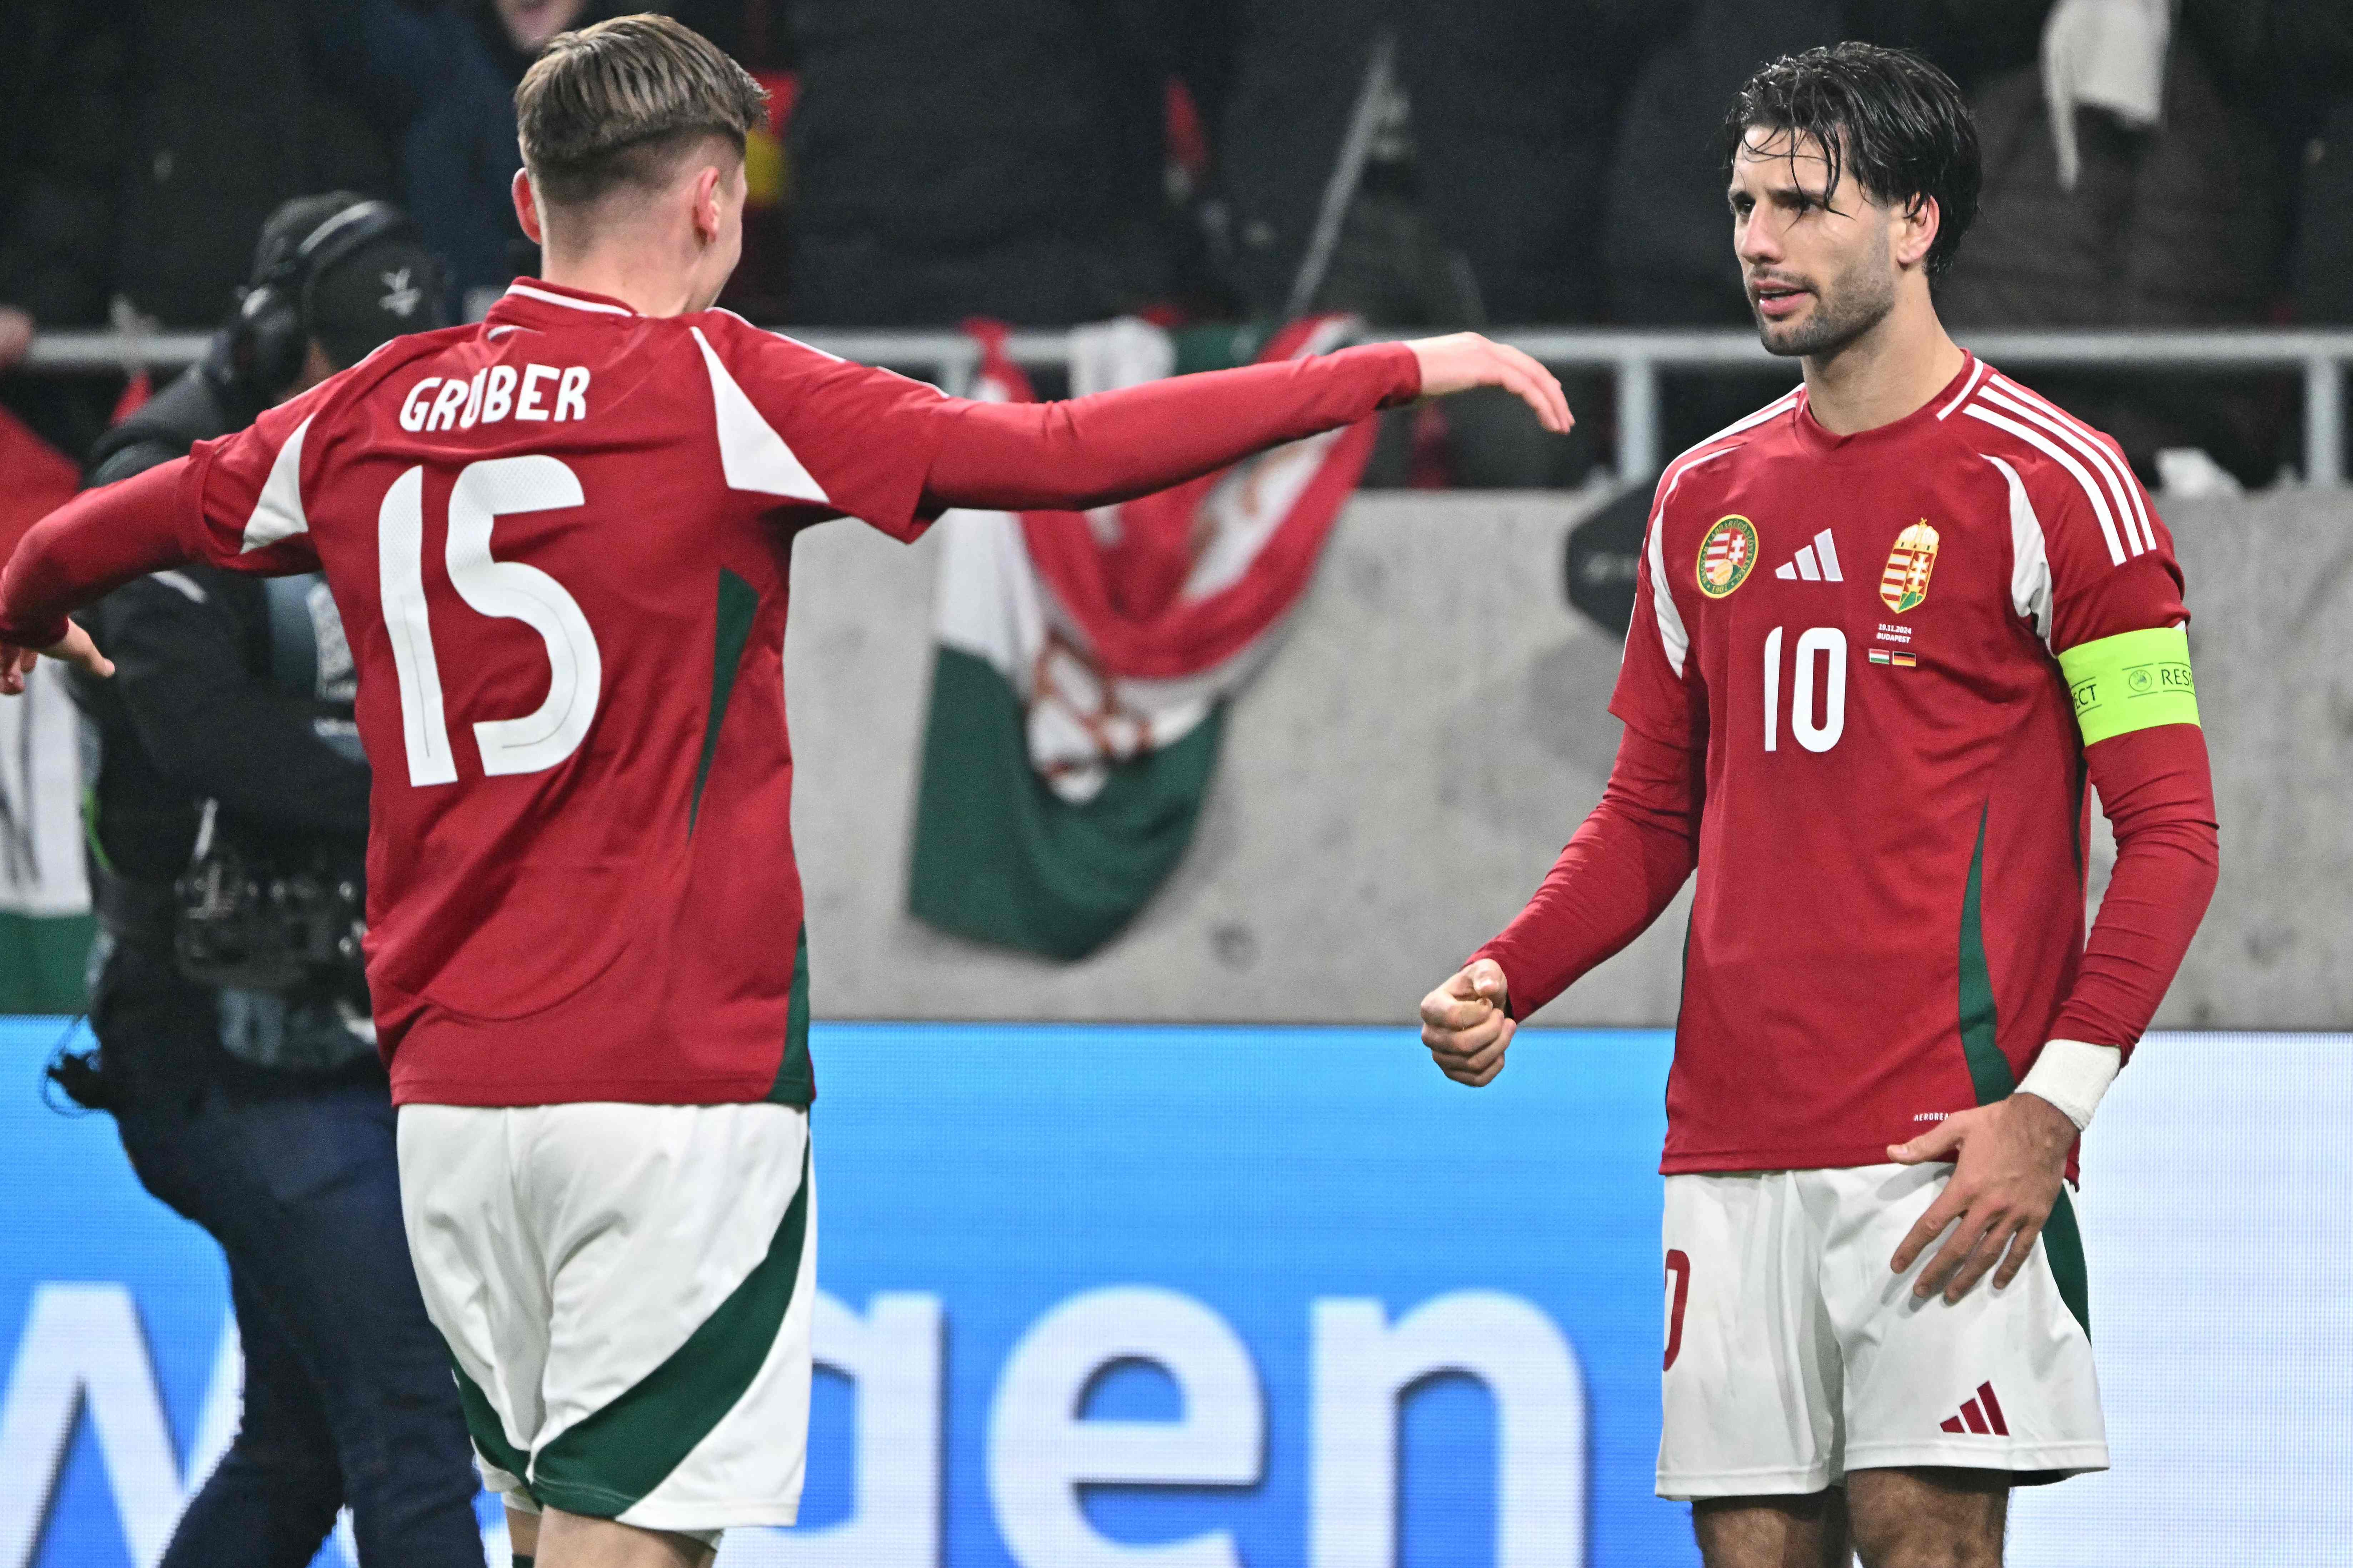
(1117, 446)
(2159, 796)
(87, 548)
(1623, 866)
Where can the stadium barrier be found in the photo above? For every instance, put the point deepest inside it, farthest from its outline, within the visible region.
(1636, 358)
(1397, 779)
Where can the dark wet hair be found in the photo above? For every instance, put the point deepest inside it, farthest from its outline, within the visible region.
(1898, 121)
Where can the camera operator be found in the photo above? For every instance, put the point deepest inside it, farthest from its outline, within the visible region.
(228, 822)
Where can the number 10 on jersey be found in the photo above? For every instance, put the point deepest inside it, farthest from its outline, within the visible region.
(1816, 698)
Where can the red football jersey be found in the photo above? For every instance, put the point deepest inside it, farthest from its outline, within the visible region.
(559, 541)
(1863, 633)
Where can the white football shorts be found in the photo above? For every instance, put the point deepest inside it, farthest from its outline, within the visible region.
(1794, 1354)
(626, 1292)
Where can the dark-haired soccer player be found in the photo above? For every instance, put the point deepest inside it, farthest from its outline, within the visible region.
(559, 541)
(1887, 628)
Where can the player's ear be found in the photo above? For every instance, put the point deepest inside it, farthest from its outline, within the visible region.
(526, 205)
(1917, 231)
(708, 216)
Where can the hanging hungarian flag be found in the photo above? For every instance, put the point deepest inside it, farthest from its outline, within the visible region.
(1084, 661)
(45, 924)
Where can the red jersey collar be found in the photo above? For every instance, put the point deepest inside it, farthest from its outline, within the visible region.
(1823, 443)
(534, 301)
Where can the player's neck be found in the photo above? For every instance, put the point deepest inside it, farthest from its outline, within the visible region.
(651, 286)
(1886, 374)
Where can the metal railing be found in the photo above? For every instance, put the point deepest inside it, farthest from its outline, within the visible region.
(1635, 357)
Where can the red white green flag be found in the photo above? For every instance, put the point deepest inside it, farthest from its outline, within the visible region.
(1084, 660)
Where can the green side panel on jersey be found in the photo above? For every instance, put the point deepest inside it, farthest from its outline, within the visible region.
(1980, 1042)
(2062, 1244)
(45, 961)
(795, 1075)
(739, 604)
(489, 1437)
(2134, 680)
(1000, 857)
(612, 1459)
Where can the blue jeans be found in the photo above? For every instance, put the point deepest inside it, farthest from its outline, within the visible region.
(348, 1396)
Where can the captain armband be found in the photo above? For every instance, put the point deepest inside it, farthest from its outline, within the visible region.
(2134, 680)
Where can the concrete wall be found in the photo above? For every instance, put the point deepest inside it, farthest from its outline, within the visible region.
(1410, 762)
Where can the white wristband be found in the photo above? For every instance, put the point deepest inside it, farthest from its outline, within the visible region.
(2073, 1075)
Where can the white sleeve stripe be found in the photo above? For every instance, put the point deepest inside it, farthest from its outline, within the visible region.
(2035, 438)
(1673, 636)
(1672, 633)
(2121, 482)
(2099, 459)
(1967, 387)
(2106, 450)
(2030, 561)
(278, 513)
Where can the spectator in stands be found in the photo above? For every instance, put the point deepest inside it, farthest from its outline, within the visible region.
(2317, 36)
(2152, 195)
(236, 1055)
(438, 80)
(1001, 158)
(59, 149)
(1393, 159)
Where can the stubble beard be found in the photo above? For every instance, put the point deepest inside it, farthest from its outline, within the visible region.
(1851, 305)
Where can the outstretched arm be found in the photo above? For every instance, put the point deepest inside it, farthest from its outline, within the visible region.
(1621, 869)
(86, 549)
(1117, 446)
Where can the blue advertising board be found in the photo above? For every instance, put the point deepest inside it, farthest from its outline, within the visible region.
(1198, 1296)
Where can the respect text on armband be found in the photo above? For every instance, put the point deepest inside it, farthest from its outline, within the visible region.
(2136, 680)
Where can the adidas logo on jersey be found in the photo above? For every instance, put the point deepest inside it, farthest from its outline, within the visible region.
(1817, 563)
(1981, 1415)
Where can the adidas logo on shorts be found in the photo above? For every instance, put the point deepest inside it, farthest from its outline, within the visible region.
(1981, 1415)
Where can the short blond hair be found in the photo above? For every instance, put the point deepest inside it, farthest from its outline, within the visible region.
(617, 103)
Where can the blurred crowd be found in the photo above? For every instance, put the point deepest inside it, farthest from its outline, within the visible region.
(1051, 162)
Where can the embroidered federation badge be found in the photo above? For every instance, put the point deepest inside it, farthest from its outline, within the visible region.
(1726, 555)
(1904, 584)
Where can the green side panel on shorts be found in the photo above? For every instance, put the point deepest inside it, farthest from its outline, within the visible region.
(796, 1082)
(2062, 1244)
(489, 1437)
(739, 605)
(611, 1461)
(1988, 1068)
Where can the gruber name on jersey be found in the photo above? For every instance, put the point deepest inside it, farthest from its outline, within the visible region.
(560, 544)
(1859, 687)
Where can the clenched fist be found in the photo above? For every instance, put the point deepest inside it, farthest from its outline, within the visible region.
(1466, 1025)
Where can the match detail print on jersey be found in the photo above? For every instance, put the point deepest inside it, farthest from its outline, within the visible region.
(1726, 555)
(2134, 680)
(1903, 586)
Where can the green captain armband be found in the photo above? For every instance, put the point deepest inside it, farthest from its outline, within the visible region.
(2134, 680)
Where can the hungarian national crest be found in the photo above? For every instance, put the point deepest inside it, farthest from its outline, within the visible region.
(1726, 555)
(1904, 584)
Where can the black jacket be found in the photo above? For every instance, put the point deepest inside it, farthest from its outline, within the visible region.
(232, 688)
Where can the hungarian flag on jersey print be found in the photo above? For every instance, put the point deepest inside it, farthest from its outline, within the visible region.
(1084, 661)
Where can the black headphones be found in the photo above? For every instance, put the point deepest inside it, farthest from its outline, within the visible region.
(271, 333)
